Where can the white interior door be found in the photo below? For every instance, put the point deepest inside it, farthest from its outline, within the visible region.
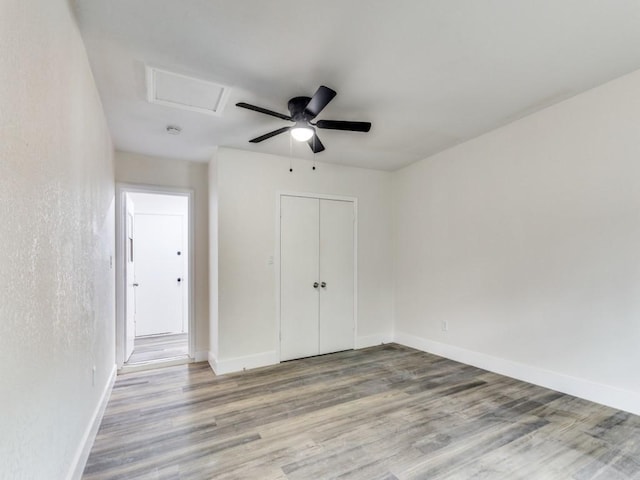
(336, 276)
(130, 326)
(299, 244)
(159, 274)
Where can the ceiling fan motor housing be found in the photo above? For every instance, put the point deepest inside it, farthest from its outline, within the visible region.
(297, 107)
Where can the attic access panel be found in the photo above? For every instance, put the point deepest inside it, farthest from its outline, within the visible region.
(187, 93)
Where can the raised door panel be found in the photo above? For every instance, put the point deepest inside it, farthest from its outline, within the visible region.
(336, 276)
(299, 247)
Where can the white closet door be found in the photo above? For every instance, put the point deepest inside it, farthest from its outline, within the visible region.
(337, 276)
(299, 246)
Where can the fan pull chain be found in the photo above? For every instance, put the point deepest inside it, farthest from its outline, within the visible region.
(290, 154)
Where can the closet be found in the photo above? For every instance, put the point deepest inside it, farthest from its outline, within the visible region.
(317, 275)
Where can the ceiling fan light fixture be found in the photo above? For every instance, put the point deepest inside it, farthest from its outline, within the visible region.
(302, 133)
(302, 110)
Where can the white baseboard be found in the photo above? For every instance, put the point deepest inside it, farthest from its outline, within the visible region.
(614, 397)
(201, 356)
(213, 363)
(82, 454)
(238, 364)
(373, 340)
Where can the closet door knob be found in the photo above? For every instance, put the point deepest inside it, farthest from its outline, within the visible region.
(315, 285)
(323, 284)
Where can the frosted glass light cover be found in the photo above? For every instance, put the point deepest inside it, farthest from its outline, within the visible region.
(302, 134)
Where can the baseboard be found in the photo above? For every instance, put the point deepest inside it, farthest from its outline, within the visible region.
(595, 392)
(82, 454)
(201, 356)
(373, 340)
(213, 363)
(238, 364)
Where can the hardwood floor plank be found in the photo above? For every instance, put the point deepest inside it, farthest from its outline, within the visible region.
(158, 347)
(383, 413)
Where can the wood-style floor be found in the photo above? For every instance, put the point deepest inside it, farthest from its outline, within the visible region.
(382, 413)
(159, 347)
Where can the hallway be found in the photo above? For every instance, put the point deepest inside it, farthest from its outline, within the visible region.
(159, 347)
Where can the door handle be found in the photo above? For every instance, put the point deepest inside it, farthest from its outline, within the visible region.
(323, 284)
(316, 284)
(136, 284)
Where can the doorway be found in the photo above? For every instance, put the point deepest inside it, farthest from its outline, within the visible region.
(154, 276)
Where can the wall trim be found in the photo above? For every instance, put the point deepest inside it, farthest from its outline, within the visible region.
(238, 364)
(366, 341)
(201, 356)
(213, 363)
(614, 397)
(84, 449)
(121, 188)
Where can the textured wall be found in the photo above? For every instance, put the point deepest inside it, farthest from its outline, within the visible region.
(213, 256)
(56, 239)
(526, 241)
(142, 169)
(247, 183)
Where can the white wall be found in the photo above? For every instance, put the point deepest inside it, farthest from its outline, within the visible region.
(160, 204)
(57, 237)
(527, 242)
(213, 259)
(246, 194)
(142, 169)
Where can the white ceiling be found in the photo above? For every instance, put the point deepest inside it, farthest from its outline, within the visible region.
(427, 73)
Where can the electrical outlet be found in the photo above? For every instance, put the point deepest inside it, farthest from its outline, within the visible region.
(445, 326)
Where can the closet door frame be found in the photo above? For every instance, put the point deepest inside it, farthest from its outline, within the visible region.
(277, 259)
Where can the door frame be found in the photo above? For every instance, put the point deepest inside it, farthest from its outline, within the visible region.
(121, 189)
(277, 257)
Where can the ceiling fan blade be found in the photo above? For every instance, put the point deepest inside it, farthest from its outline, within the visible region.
(319, 100)
(263, 110)
(342, 125)
(270, 134)
(315, 144)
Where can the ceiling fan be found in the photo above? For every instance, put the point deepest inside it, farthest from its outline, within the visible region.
(302, 110)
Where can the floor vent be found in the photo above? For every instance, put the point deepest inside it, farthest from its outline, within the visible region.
(187, 93)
